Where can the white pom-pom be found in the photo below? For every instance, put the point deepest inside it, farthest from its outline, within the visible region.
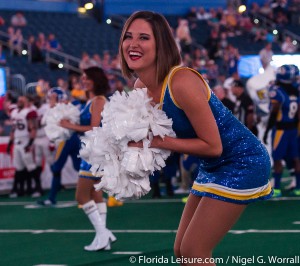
(54, 115)
(125, 170)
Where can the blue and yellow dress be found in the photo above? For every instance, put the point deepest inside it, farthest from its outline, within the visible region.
(85, 120)
(241, 174)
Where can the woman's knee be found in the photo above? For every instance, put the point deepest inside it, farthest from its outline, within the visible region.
(190, 250)
(177, 250)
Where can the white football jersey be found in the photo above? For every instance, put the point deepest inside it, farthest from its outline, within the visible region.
(20, 121)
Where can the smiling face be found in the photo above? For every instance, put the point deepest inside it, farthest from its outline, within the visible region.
(139, 47)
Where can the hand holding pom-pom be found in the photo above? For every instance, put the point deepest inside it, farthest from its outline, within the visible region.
(61, 113)
(120, 150)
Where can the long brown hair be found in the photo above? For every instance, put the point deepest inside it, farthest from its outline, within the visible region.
(99, 78)
(167, 51)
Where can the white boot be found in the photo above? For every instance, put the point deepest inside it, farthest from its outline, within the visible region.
(102, 207)
(103, 236)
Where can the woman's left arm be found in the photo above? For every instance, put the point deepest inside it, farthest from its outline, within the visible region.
(96, 109)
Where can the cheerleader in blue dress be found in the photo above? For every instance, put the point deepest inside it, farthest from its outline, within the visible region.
(96, 85)
(234, 165)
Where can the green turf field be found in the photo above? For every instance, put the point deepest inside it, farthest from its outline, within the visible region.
(31, 235)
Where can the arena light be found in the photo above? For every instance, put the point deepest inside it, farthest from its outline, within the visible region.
(24, 52)
(108, 21)
(60, 65)
(242, 8)
(81, 10)
(88, 6)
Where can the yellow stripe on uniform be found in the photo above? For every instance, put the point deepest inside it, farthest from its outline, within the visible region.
(59, 149)
(277, 138)
(236, 194)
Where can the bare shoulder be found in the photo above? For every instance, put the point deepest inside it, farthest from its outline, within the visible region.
(187, 81)
(139, 84)
(98, 102)
(99, 99)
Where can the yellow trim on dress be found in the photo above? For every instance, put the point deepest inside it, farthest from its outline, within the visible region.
(167, 82)
(277, 138)
(163, 91)
(259, 194)
(59, 149)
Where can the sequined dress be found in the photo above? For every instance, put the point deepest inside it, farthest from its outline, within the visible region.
(85, 120)
(241, 173)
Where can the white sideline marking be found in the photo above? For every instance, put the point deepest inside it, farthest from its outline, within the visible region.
(59, 205)
(149, 201)
(296, 222)
(236, 232)
(127, 252)
(50, 265)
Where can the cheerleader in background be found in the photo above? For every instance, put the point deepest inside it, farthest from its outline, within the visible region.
(67, 148)
(96, 84)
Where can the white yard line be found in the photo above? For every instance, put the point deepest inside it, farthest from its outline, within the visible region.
(51, 231)
(62, 204)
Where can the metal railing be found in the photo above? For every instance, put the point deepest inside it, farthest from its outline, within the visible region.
(18, 84)
(270, 25)
(63, 60)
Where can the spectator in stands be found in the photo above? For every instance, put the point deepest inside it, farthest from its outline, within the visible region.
(86, 61)
(266, 10)
(245, 24)
(63, 84)
(287, 46)
(115, 64)
(266, 55)
(41, 89)
(35, 51)
(294, 11)
(223, 43)
(52, 43)
(41, 41)
(213, 20)
(97, 60)
(254, 9)
(231, 57)
(17, 42)
(184, 36)
(18, 20)
(2, 21)
(192, 17)
(281, 19)
(202, 14)
(78, 93)
(212, 44)
(11, 34)
(233, 4)
(212, 72)
(106, 61)
(231, 21)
